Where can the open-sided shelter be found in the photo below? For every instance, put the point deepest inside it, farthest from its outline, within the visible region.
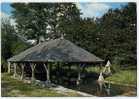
(58, 50)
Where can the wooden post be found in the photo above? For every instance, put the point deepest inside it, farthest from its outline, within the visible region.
(83, 68)
(33, 74)
(22, 73)
(9, 67)
(58, 70)
(15, 73)
(100, 67)
(79, 76)
(48, 73)
(69, 65)
(47, 68)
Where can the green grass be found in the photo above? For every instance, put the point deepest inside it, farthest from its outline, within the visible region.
(124, 77)
(12, 87)
(94, 69)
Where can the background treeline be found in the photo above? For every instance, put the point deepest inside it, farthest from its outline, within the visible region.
(113, 36)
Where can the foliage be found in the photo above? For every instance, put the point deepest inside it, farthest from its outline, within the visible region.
(113, 36)
(115, 68)
(7, 38)
(11, 44)
(19, 46)
(43, 19)
(98, 69)
(117, 29)
(95, 69)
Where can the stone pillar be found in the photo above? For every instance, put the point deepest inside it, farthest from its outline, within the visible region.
(47, 68)
(22, 73)
(33, 74)
(9, 67)
(15, 73)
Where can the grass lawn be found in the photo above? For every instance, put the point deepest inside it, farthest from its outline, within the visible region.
(122, 76)
(12, 87)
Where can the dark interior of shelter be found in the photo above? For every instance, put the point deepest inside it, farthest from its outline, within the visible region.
(61, 73)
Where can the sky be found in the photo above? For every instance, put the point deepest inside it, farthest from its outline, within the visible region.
(97, 9)
(88, 9)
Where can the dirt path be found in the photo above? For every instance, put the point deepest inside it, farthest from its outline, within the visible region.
(63, 90)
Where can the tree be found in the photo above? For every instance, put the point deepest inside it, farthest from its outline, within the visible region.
(10, 43)
(7, 38)
(117, 33)
(82, 33)
(113, 36)
(30, 19)
(33, 19)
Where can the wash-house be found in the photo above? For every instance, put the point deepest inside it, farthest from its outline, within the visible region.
(38, 62)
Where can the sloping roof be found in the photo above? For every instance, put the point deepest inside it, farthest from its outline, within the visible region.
(58, 50)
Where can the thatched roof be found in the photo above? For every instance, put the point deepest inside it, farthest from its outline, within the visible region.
(58, 50)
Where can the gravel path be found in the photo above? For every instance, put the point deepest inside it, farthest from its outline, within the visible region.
(63, 90)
